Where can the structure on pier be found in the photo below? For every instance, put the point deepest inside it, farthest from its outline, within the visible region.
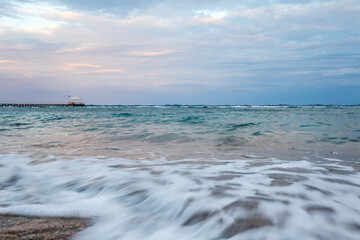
(76, 101)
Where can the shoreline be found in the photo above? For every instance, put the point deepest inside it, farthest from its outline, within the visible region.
(13, 226)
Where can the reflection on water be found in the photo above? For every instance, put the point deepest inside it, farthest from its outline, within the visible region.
(186, 172)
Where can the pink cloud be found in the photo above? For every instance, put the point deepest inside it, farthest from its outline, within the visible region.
(13, 68)
(7, 61)
(8, 65)
(76, 65)
(83, 68)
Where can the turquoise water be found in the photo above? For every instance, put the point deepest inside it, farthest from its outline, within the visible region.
(219, 129)
(186, 172)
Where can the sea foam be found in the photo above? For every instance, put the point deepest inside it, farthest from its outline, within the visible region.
(253, 198)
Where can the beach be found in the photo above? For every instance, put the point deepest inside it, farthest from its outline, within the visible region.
(180, 172)
(20, 227)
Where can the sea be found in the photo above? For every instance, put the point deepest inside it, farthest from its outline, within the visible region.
(186, 172)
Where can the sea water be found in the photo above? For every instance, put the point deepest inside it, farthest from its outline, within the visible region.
(186, 172)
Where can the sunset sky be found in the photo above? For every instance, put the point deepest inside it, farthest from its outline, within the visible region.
(186, 52)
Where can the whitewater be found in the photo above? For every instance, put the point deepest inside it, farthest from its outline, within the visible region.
(186, 172)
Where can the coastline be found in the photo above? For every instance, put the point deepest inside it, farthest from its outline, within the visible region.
(150, 173)
(30, 227)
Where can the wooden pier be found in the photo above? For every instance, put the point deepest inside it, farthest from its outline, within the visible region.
(41, 104)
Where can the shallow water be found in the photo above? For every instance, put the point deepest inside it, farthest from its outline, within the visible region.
(186, 172)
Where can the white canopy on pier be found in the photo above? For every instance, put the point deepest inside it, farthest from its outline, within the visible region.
(75, 99)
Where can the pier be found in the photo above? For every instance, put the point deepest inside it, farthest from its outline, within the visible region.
(72, 102)
(41, 104)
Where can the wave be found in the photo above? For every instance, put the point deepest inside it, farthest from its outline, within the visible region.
(251, 198)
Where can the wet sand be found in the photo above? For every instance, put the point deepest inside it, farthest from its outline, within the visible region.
(41, 228)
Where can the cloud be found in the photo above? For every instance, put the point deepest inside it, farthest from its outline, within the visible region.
(84, 47)
(11, 65)
(15, 69)
(27, 18)
(7, 61)
(62, 15)
(12, 68)
(202, 45)
(158, 84)
(111, 6)
(72, 66)
(85, 68)
(104, 71)
(341, 71)
(150, 54)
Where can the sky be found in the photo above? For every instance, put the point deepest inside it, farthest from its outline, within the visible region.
(180, 52)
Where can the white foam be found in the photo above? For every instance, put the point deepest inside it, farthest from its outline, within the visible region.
(161, 199)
